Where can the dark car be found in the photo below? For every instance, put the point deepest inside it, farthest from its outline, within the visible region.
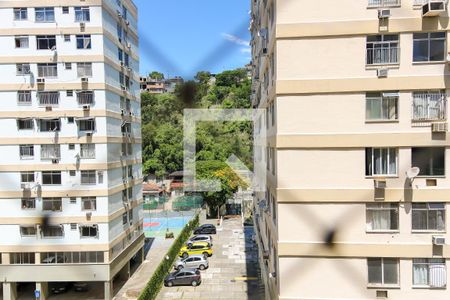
(81, 286)
(205, 229)
(59, 287)
(183, 277)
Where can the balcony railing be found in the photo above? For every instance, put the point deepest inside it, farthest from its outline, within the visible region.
(429, 107)
(85, 98)
(48, 98)
(384, 3)
(382, 56)
(50, 152)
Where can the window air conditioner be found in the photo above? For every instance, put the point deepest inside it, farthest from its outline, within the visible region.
(384, 13)
(48, 108)
(86, 107)
(88, 133)
(439, 127)
(123, 87)
(119, 14)
(380, 183)
(129, 70)
(381, 73)
(82, 27)
(438, 240)
(40, 80)
(264, 51)
(432, 8)
(84, 79)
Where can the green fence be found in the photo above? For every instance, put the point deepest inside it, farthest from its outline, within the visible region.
(153, 287)
(155, 203)
(185, 203)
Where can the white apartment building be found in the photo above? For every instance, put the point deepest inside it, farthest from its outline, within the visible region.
(70, 143)
(358, 197)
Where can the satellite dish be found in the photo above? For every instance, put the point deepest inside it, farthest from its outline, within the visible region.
(413, 172)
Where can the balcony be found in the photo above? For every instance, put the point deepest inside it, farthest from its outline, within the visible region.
(429, 106)
(384, 3)
(383, 56)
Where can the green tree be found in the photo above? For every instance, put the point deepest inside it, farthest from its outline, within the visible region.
(156, 75)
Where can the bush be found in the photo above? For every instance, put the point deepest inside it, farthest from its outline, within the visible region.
(152, 288)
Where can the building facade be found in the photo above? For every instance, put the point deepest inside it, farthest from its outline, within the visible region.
(70, 144)
(357, 201)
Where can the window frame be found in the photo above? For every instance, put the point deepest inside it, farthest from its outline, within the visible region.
(370, 173)
(24, 95)
(427, 209)
(421, 175)
(383, 284)
(20, 11)
(391, 207)
(81, 11)
(53, 200)
(53, 175)
(426, 99)
(428, 262)
(21, 227)
(21, 42)
(23, 69)
(29, 176)
(89, 227)
(82, 38)
(25, 124)
(41, 40)
(28, 157)
(91, 176)
(383, 44)
(92, 201)
(84, 69)
(429, 40)
(27, 200)
(46, 11)
(382, 97)
(43, 236)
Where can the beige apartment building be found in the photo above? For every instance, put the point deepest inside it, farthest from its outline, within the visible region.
(358, 189)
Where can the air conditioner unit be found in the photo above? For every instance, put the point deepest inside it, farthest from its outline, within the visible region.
(122, 63)
(88, 215)
(122, 112)
(123, 87)
(129, 70)
(26, 70)
(381, 73)
(384, 13)
(82, 27)
(438, 240)
(439, 127)
(84, 79)
(40, 80)
(88, 133)
(432, 8)
(119, 14)
(380, 183)
(48, 108)
(86, 107)
(266, 254)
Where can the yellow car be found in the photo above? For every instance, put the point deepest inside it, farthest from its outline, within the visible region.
(196, 248)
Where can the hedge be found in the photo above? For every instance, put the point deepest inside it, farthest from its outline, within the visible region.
(152, 288)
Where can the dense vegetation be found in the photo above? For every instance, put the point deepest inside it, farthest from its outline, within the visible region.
(162, 128)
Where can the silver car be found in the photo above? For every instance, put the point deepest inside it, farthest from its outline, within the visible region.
(200, 238)
(193, 261)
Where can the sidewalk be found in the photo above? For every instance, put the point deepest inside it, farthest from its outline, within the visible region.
(133, 287)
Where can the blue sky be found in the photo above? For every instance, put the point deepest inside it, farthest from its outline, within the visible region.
(181, 37)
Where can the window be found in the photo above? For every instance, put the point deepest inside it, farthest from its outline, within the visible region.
(50, 125)
(28, 230)
(120, 52)
(47, 70)
(130, 171)
(127, 60)
(87, 231)
(381, 161)
(430, 272)
(87, 151)
(124, 218)
(84, 41)
(100, 177)
(72, 173)
(21, 42)
(429, 105)
(124, 13)
(382, 271)
(65, 10)
(48, 98)
(382, 216)
(382, 49)
(70, 120)
(25, 124)
(68, 66)
(382, 106)
(85, 97)
(429, 46)
(44, 14)
(24, 258)
(71, 146)
(46, 42)
(69, 93)
(86, 125)
(119, 32)
(67, 38)
(430, 160)
(24, 97)
(428, 216)
(88, 203)
(26, 177)
(52, 204)
(130, 192)
(20, 14)
(51, 177)
(22, 69)
(82, 14)
(130, 216)
(72, 257)
(84, 69)
(52, 231)
(50, 151)
(28, 203)
(88, 177)
(26, 151)
(73, 200)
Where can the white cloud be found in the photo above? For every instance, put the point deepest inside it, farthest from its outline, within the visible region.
(246, 50)
(235, 39)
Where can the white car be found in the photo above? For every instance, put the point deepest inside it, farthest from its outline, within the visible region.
(200, 238)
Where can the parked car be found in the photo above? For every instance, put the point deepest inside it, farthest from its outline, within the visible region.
(200, 238)
(201, 248)
(59, 287)
(193, 262)
(205, 229)
(81, 286)
(183, 277)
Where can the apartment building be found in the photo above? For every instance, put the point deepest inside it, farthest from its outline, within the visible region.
(70, 144)
(358, 188)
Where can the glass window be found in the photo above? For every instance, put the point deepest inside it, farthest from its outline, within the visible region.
(52, 204)
(382, 49)
(65, 10)
(44, 14)
(381, 106)
(88, 177)
(430, 272)
(428, 216)
(22, 42)
(22, 258)
(46, 42)
(382, 216)
(24, 97)
(28, 230)
(383, 271)
(25, 124)
(67, 38)
(22, 69)
(27, 177)
(88, 231)
(48, 70)
(429, 46)
(53, 231)
(381, 161)
(430, 160)
(88, 203)
(26, 151)
(84, 69)
(51, 177)
(20, 14)
(28, 203)
(51, 125)
(84, 41)
(85, 97)
(51, 151)
(429, 106)
(124, 218)
(86, 125)
(82, 14)
(87, 151)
